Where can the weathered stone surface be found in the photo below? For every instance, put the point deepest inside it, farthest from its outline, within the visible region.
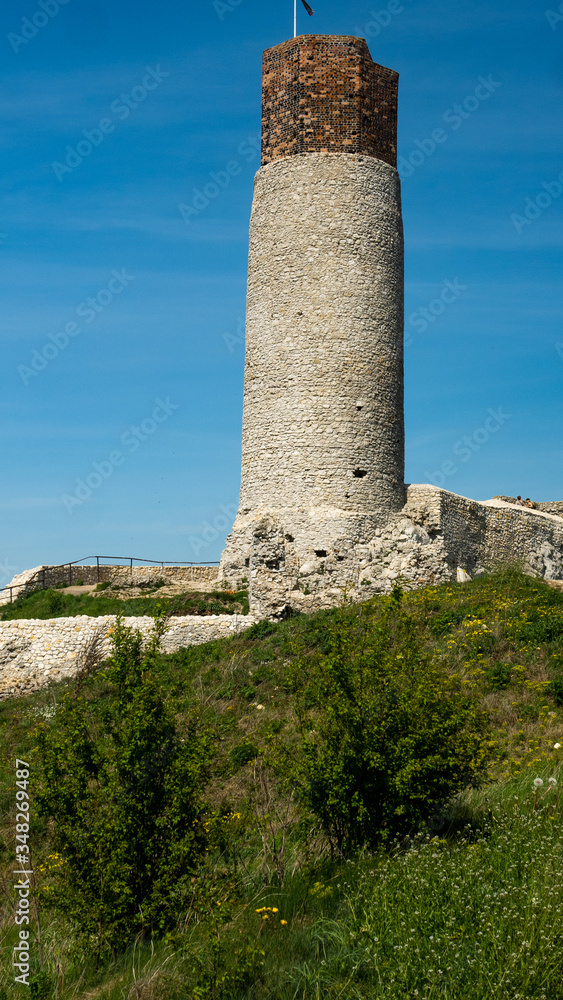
(547, 506)
(435, 535)
(323, 398)
(34, 652)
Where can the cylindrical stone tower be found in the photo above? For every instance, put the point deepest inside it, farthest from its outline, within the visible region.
(323, 437)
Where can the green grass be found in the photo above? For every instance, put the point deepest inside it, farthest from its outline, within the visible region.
(468, 907)
(45, 604)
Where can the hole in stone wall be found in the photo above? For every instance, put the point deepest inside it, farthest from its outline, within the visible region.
(340, 558)
(289, 538)
(247, 562)
(320, 553)
(359, 407)
(359, 473)
(272, 563)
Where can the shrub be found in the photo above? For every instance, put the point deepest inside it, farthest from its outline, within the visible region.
(55, 601)
(243, 753)
(260, 630)
(387, 736)
(498, 675)
(122, 790)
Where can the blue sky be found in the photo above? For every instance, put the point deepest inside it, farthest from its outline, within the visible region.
(139, 393)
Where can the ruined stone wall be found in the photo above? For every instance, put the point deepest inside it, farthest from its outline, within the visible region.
(548, 507)
(34, 653)
(551, 507)
(41, 577)
(436, 534)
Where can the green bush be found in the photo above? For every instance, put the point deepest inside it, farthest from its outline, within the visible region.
(40, 986)
(387, 736)
(243, 753)
(122, 790)
(441, 624)
(55, 602)
(260, 630)
(247, 692)
(499, 675)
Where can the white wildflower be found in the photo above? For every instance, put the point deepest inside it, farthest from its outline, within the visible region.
(538, 783)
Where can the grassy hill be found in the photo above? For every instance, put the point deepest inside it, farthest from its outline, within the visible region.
(466, 904)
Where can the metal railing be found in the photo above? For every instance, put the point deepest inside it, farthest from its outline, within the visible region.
(40, 584)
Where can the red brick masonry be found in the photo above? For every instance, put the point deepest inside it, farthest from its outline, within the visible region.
(325, 94)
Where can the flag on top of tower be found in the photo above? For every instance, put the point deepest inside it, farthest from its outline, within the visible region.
(309, 10)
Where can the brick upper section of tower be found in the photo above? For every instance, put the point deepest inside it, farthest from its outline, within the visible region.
(325, 94)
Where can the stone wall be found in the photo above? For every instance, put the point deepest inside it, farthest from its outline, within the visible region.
(555, 507)
(34, 653)
(436, 534)
(325, 94)
(41, 577)
(548, 506)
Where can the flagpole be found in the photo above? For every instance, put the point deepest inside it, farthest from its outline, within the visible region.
(295, 18)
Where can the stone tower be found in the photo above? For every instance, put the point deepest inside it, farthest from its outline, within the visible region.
(323, 437)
